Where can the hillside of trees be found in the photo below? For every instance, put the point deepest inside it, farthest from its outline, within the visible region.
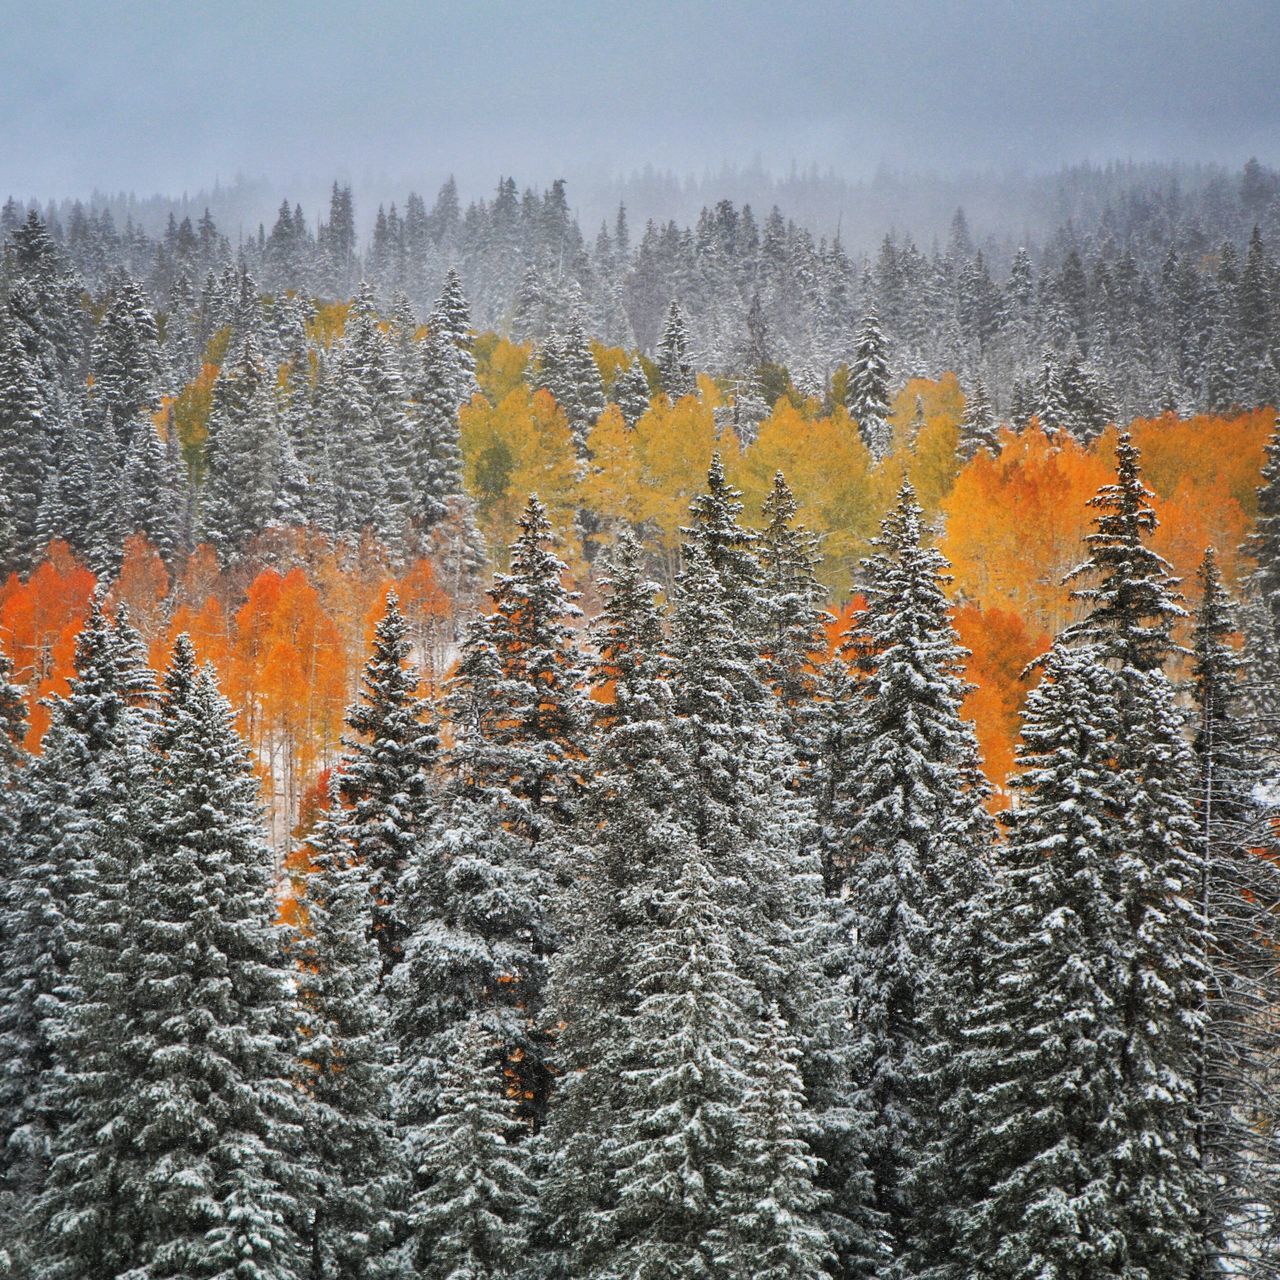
(693, 753)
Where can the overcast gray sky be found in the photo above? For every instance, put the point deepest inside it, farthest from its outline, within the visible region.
(162, 95)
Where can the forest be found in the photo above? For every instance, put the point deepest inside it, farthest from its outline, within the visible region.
(677, 752)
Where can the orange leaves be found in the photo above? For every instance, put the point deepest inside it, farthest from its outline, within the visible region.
(1000, 646)
(39, 622)
(1015, 525)
(142, 586)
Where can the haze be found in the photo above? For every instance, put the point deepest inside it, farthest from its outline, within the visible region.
(161, 97)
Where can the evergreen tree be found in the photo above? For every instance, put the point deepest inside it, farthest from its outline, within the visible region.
(978, 426)
(215, 1119)
(385, 776)
(678, 1137)
(347, 1066)
(675, 372)
(58, 811)
(1044, 1068)
(1133, 604)
(471, 1218)
(24, 459)
(631, 393)
(867, 396)
(916, 837)
(520, 718)
(437, 460)
(631, 816)
(770, 1231)
(1238, 894)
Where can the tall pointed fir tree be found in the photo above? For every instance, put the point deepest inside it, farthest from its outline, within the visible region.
(1134, 995)
(612, 862)
(675, 370)
(216, 1121)
(1044, 1065)
(24, 449)
(437, 456)
(476, 890)
(346, 1069)
(1261, 613)
(385, 775)
(978, 426)
(57, 814)
(786, 938)
(867, 397)
(473, 1214)
(915, 838)
(631, 392)
(89, 1210)
(451, 318)
(678, 1137)
(1132, 602)
(1239, 894)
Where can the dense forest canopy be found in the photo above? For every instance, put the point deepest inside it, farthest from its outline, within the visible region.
(709, 741)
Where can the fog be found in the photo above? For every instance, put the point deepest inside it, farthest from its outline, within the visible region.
(162, 97)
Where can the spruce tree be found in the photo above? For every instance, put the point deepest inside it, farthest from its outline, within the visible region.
(385, 776)
(1133, 602)
(631, 393)
(916, 838)
(678, 1142)
(1238, 894)
(675, 371)
(24, 459)
(631, 815)
(215, 1118)
(868, 391)
(59, 810)
(771, 1230)
(472, 1216)
(346, 1066)
(1044, 1068)
(978, 426)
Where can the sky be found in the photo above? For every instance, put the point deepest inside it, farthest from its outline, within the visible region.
(170, 95)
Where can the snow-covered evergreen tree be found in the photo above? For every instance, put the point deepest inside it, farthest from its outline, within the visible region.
(675, 371)
(915, 838)
(217, 1123)
(867, 397)
(385, 776)
(631, 393)
(472, 1217)
(1133, 602)
(346, 1065)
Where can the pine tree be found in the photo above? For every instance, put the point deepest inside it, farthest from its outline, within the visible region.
(347, 1066)
(1044, 1068)
(978, 427)
(24, 459)
(1263, 544)
(770, 1230)
(915, 837)
(451, 318)
(793, 630)
(471, 1218)
(215, 1119)
(90, 1209)
(1238, 893)
(437, 460)
(1132, 607)
(520, 718)
(631, 393)
(631, 816)
(58, 811)
(386, 775)
(867, 396)
(675, 371)
(678, 1137)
